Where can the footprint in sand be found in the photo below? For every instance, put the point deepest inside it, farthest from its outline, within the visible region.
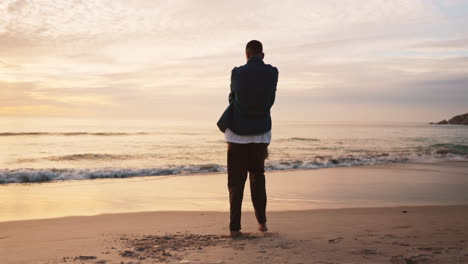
(367, 252)
(401, 227)
(335, 240)
(430, 248)
(419, 259)
(400, 244)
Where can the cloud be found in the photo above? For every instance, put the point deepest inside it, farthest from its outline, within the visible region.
(43, 110)
(82, 99)
(443, 45)
(16, 6)
(6, 65)
(27, 96)
(79, 22)
(150, 57)
(435, 84)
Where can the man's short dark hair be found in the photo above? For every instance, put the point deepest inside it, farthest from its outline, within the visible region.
(254, 47)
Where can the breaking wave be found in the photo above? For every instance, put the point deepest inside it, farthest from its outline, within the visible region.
(45, 175)
(431, 153)
(447, 149)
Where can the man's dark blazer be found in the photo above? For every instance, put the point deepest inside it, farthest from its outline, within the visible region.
(253, 88)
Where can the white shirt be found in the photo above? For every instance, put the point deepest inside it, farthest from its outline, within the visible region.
(245, 139)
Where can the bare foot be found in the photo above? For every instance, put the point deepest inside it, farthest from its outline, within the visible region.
(235, 234)
(262, 227)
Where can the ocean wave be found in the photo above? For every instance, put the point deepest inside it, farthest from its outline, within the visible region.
(448, 148)
(88, 156)
(13, 134)
(319, 162)
(431, 153)
(53, 174)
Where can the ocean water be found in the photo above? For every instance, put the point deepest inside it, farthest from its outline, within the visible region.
(53, 149)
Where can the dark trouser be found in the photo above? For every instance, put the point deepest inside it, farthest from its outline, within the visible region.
(243, 158)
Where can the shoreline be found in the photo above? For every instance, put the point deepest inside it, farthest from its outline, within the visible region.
(389, 185)
(318, 210)
(149, 177)
(422, 234)
(196, 173)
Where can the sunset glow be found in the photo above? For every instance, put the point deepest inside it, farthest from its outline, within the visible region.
(405, 60)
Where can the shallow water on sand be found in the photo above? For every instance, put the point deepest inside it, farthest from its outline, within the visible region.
(375, 186)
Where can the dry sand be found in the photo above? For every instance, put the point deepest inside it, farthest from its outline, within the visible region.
(406, 235)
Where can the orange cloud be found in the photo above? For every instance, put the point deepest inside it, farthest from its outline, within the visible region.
(43, 110)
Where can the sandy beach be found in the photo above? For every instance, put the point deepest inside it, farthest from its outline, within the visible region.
(371, 235)
(416, 220)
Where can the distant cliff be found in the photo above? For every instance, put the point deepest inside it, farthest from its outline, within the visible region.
(456, 120)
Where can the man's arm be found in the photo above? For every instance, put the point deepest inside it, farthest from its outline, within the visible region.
(232, 94)
(231, 97)
(275, 81)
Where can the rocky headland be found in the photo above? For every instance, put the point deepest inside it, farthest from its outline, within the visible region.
(456, 120)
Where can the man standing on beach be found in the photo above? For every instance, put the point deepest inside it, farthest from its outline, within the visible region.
(246, 124)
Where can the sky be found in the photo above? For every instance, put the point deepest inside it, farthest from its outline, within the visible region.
(338, 60)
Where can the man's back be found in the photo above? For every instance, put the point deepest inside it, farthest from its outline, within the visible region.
(253, 88)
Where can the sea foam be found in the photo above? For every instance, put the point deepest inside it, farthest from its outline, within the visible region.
(431, 153)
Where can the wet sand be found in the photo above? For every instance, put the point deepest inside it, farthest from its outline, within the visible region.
(432, 234)
(415, 184)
